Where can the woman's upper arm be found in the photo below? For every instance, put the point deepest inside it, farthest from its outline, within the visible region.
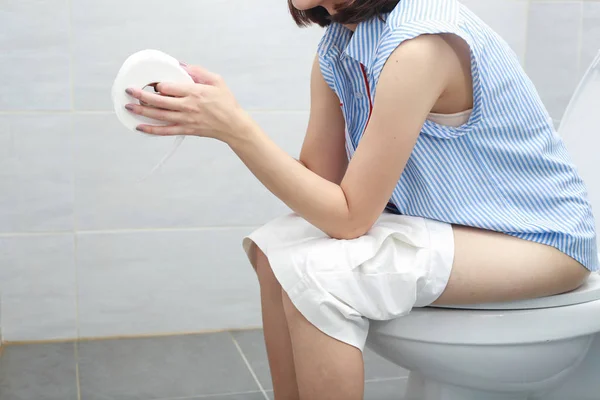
(412, 80)
(324, 151)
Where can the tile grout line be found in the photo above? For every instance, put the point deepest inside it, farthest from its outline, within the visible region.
(580, 38)
(128, 337)
(239, 348)
(377, 380)
(76, 266)
(73, 171)
(74, 226)
(125, 230)
(202, 396)
(56, 112)
(528, 6)
(109, 112)
(78, 383)
(74, 211)
(71, 77)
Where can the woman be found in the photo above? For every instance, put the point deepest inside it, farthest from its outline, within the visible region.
(430, 174)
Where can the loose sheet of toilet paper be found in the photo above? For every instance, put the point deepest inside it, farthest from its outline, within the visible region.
(140, 70)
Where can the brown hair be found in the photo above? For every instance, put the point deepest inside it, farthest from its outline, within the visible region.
(352, 12)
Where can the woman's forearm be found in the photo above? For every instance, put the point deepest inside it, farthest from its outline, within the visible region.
(319, 201)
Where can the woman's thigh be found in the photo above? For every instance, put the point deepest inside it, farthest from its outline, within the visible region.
(494, 267)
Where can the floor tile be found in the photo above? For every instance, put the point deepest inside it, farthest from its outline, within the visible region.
(393, 389)
(237, 396)
(253, 347)
(252, 344)
(385, 390)
(38, 372)
(156, 368)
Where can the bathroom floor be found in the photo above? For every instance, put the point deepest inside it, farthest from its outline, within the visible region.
(219, 366)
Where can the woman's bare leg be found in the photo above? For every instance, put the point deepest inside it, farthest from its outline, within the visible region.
(277, 336)
(488, 267)
(326, 369)
(494, 267)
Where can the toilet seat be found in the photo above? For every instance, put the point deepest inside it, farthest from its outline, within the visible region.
(552, 318)
(589, 291)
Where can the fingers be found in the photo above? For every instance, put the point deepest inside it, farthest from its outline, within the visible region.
(176, 89)
(202, 75)
(158, 114)
(156, 100)
(170, 130)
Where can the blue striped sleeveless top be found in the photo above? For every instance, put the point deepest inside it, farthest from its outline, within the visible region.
(505, 170)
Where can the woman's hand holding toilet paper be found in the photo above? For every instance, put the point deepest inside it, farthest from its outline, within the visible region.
(205, 108)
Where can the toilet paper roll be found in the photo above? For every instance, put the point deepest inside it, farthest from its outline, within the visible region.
(139, 71)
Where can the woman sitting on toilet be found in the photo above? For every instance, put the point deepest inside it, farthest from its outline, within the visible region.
(430, 174)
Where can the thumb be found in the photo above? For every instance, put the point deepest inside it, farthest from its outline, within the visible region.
(202, 75)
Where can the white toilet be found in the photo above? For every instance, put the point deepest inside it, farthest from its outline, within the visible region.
(543, 349)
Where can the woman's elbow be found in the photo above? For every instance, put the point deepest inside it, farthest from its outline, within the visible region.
(350, 231)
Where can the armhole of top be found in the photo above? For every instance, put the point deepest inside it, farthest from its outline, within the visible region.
(409, 31)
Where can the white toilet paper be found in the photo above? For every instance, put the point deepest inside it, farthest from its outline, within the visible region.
(138, 71)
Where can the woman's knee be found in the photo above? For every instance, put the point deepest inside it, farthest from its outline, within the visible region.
(261, 265)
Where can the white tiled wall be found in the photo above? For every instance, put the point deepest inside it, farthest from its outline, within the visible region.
(38, 278)
(164, 281)
(553, 54)
(87, 250)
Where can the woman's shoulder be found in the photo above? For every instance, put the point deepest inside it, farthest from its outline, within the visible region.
(423, 11)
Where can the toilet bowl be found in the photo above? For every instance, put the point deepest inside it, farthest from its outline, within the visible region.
(541, 349)
(497, 351)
